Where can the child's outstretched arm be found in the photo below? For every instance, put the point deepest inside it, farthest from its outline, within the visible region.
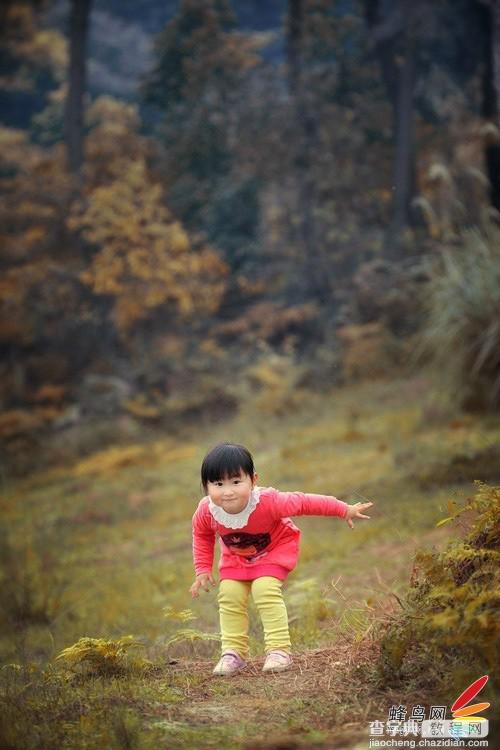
(307, 504)
(203, 552)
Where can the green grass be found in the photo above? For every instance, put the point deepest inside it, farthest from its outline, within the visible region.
(100, 548)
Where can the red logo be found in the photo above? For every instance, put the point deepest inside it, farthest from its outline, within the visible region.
(460, 707)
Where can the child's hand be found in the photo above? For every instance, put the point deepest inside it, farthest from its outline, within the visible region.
(354, 511)
(202, 581)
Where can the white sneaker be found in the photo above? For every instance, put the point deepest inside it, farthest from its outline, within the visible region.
(229, 663)
(277, 661)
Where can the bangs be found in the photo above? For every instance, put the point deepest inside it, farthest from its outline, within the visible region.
(226, 460)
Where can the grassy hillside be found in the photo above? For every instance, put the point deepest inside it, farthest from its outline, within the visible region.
(102, 549)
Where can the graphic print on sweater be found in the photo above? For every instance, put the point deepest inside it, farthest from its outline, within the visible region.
(249, 546)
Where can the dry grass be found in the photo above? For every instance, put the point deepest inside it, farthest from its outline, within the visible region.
(115, 530)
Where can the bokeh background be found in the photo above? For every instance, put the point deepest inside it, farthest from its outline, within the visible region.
(274, 222)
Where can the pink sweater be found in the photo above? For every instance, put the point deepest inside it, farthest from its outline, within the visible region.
(268, 542)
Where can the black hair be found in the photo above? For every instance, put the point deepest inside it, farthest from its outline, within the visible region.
(226, 460)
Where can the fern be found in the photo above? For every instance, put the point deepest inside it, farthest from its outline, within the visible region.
(102, 657)
(190, 635)
(184, 615)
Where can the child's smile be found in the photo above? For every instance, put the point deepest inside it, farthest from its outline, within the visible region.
(232, 493)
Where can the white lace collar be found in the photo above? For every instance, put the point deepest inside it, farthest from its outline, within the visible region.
(235, 520)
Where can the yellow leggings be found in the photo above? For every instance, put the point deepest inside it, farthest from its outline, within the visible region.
(233, 611)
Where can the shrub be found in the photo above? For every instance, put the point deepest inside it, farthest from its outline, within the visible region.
(462, 311)
(450, 622)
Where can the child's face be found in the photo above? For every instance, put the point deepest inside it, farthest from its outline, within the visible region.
(232, 493)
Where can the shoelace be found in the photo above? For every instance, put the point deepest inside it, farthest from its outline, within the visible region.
(228, 659)
(277, 655)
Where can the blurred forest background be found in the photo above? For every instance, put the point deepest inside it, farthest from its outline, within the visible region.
(269, 221)
(206, 200)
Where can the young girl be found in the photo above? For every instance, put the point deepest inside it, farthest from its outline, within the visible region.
(259, 547)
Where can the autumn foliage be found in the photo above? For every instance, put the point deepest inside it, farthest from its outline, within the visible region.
(145, 258)
(246, 220)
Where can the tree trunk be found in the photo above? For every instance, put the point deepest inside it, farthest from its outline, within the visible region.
(315, 270)
(74, 109)
(390, 25)
(293, 44)
(404, 165)
(490, 13)
(385, 49)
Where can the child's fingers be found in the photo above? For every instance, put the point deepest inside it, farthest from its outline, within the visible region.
(195, 588)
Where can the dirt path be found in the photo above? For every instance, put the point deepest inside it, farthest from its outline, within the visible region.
(323, 701)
